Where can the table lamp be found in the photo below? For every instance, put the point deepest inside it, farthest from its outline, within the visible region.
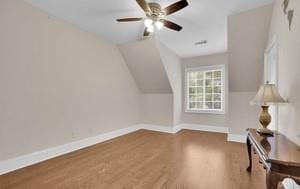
(267, 95)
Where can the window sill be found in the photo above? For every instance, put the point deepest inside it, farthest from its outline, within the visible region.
(205, 112)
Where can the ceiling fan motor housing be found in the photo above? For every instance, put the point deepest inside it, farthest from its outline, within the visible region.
(156, 10)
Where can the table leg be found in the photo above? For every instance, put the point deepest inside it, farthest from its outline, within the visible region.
(249, 169)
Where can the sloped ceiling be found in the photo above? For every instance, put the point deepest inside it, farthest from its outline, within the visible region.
(146, 66)
(201, 20)
(246, 48)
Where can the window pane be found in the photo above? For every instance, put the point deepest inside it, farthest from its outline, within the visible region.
(208, 97)
(217, 89)
(200, 90)
(199, 82)
(199, 105)
(208, 89)
(208, 105)
(217, 97)
(199, 98)
(217, 81)
(192, 105)
(209, 75)
(192, 90)
(217, 74)
(200, 75)
(192, 82)
(192, 75)
(192, 98)
(208, 82)
(217, 105)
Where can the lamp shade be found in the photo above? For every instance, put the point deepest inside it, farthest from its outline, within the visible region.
(268, 94)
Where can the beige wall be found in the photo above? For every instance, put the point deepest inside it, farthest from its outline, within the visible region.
(58, 84)
(247, 40)
(205, 119)
(172, 65)
(157, 70)
(241, 114)
(288, 43)
(157, 109)
(154, 68)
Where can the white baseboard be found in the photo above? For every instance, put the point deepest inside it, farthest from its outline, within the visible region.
(159, 128)
(36, 157)
(204, 128)
(236, 138)
(177, 128)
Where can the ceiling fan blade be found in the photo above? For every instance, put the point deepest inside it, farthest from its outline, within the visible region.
(171, 25)
(146, 33)
(129, 19)
(176, 7)
(144, 5)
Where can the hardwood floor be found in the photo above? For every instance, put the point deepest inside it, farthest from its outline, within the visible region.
(146, 159)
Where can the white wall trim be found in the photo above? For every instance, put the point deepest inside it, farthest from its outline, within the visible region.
(13, 164)
(177, 128)
(36, 157)
(159, 128)
(236, 138)
(215, 129)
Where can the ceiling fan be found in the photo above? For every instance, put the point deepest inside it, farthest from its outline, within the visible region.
(155, 15)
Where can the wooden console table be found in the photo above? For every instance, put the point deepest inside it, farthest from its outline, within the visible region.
(278, 155)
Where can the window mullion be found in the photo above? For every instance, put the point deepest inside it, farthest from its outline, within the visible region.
(188, 89)
(212, 92)
(196, 91)
(204, 90)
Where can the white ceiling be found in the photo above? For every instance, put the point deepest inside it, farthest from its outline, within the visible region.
(201, 20)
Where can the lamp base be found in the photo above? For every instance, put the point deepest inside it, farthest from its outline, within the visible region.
(265, 120)
(265, 131)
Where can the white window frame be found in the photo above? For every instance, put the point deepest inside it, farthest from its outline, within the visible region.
(223, 87)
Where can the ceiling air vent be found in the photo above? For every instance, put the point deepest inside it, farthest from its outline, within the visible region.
(201, 42)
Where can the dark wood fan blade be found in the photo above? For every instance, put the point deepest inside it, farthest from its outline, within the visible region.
(176, 7)
(171, 25)
(144, 5)
(129, 19)
(146, 33)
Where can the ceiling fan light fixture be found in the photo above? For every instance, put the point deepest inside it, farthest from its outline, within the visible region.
(159, 25)
(148, 22)
(150, 29)
(154, 18)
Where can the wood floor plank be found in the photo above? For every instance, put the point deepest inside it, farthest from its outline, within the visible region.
(146, 159)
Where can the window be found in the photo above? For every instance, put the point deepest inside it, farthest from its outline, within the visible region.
(205, 89)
